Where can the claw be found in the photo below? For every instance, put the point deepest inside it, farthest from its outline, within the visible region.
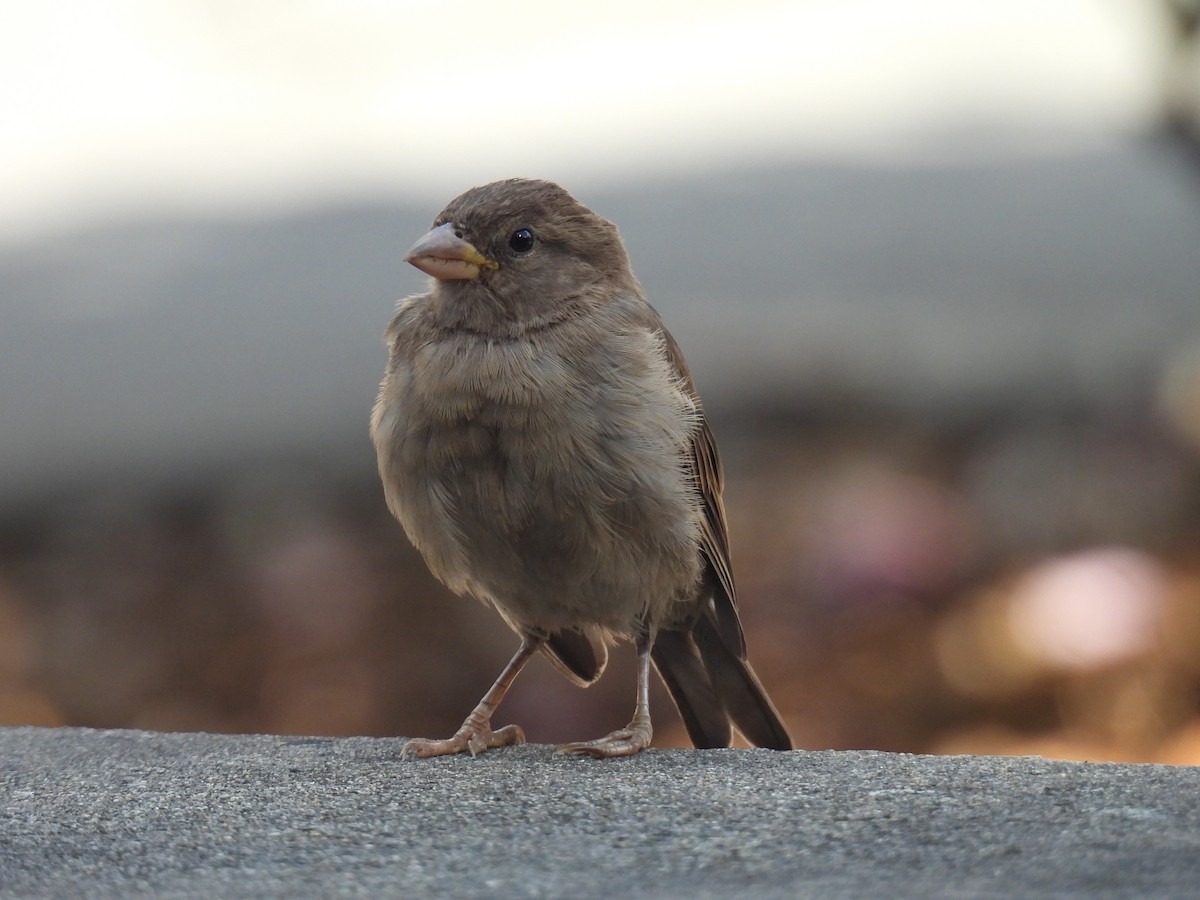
(472, 738)
(625, 742)
(634, 737)
(475, 734)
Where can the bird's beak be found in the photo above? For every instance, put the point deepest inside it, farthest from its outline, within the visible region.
(444, 255)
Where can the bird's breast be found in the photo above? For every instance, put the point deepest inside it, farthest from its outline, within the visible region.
(511, 459)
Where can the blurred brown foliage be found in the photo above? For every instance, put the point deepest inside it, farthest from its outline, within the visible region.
(1011, 584)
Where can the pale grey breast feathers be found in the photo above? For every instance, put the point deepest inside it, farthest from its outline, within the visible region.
(550, 473)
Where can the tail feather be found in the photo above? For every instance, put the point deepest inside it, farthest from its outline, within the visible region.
(679, 665)
(739, 690)
(713, 686)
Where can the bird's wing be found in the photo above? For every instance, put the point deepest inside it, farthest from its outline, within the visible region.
(705, 669)
(714, 544)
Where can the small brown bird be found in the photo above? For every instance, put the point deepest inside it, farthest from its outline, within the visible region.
(541, 442)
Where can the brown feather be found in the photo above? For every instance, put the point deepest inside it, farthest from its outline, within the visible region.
(542, 442)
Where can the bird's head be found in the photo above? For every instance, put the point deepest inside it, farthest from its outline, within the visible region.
(522, 248)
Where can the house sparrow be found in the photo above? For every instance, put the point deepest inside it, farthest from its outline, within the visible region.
(541, 442)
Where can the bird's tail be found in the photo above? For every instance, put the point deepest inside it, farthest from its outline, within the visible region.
(714, 686)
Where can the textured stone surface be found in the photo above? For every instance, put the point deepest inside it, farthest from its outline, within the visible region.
(120, 813)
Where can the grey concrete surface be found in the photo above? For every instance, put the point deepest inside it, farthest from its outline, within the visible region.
(126, 813)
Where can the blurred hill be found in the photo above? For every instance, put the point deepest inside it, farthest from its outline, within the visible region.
(161, 348)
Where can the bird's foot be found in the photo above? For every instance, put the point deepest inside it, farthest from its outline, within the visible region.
(633, 738)
(474, 737)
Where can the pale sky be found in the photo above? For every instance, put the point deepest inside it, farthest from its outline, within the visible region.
(132, 105)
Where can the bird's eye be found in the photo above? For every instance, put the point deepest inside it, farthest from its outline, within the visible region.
(521, 241)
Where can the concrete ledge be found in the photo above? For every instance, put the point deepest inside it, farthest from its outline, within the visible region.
(121, 813)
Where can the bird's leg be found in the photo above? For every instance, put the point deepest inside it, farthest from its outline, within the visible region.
(476, 733)
(635, 736)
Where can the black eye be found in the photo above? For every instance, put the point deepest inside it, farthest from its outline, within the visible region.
(521, 241)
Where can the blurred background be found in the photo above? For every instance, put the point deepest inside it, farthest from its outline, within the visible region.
(936, 267)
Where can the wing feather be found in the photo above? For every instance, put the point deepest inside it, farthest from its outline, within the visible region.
(714, 545)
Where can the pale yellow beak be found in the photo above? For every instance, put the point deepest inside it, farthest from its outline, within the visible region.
(447, 257)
